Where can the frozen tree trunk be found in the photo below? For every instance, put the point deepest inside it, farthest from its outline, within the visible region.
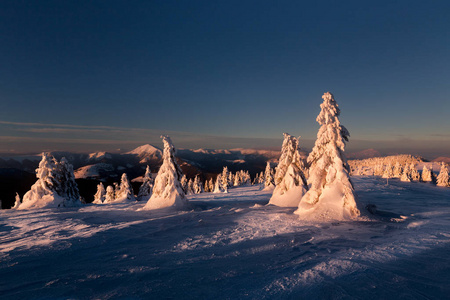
(290, 181)
(331, 195)
(167, 191)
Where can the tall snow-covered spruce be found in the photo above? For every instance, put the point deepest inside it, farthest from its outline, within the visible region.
(55, 187)
(331, 194)
(290, 181)
(167, 190)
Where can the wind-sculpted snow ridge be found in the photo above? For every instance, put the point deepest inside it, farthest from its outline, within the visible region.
(232, 246)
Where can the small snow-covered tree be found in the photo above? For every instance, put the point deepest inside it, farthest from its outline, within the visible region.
(290, 181)
(331, 194)
(388, 171)
(415, 175)
(378, 170)
(443, 178)
(167, 191)
(145, 190)
(99, 196)
(197, 185)
(269, 182)
(406, 175)
(218, 184)
(68, 188)
(224, 180)
(237, 179)
(206, 187)
(256, 180)
(427, 175)
(211, 185)
(110, 194)
(184, 183)
(246, 179)
(125, 192)
(230, 179)
(17, 201)
(55, 187)
(190, 187)
(398, 170)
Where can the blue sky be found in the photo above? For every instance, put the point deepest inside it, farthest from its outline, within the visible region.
(103, 75)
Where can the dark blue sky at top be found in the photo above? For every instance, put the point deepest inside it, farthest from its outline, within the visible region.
(249, 69)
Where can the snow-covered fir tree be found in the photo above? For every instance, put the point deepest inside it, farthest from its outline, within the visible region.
(125, 192)
(224, 180)
(230, 179)
(184, 183)
(443, 178)
(17, 201)
(378, 170)
(167, 191)
(261, 177)
(269, 182)
(99, 196)
(218, 184)
(55, 187)
(197, 186)
(427, 175)
(145, 190)
(116, 190)
(406, 175)
(256, 180)
(398, 170)
(211, 185)
(206, 187)
(110, 194)
(237, 179)
(246, 178)
(331, 194)
(290, 181)
(190, 187)
(68, 188)
(388, 171)
(415, 175)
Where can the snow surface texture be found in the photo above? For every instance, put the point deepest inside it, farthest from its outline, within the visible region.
(331, 194)
(232, 246)
(167, 191)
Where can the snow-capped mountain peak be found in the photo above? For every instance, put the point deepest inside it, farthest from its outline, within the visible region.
(146, 152)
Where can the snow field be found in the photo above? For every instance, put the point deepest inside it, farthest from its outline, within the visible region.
(232, 246)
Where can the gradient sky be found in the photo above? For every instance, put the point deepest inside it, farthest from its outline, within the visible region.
(104, 75)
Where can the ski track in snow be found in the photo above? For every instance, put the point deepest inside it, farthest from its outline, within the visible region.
(232, 246)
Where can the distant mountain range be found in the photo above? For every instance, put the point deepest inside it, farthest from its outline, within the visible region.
(368, 153)
(109, 166)
(17, 173)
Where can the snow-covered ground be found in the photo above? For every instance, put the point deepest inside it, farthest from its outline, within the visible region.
(231, 246)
